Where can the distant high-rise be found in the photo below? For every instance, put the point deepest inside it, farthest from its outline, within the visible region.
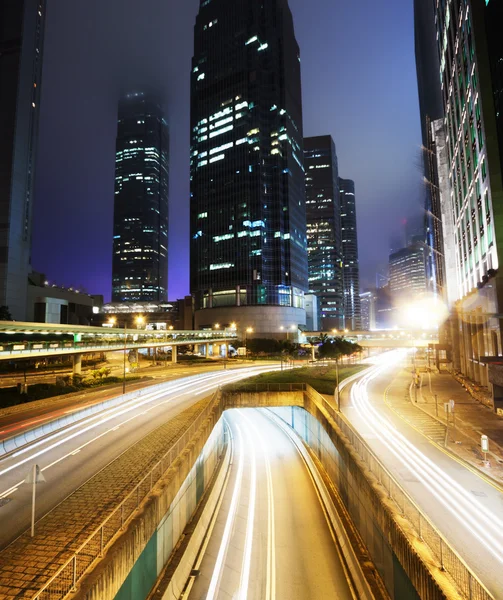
(248, 215)
(324, 241)
(368, 307)
(22, 25)
(352, 309)
(140, 249)
(407, 273)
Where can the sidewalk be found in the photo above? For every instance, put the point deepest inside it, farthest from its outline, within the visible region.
(470, 420)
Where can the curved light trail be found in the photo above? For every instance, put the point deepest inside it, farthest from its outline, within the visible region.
(477, 519)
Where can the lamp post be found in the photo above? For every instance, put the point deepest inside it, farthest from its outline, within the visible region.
(113, 322)
(247, 330)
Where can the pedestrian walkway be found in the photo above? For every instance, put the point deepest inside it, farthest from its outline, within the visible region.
(459, 432)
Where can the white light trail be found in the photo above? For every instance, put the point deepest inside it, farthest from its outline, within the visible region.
(209, 382)
(246, 565)
(224, 544)
(483, 524)
(271, 530)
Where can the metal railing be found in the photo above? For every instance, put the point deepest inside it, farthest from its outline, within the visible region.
(65, 580)
(448, 559)
(7, 349)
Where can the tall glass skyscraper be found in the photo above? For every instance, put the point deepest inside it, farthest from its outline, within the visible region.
(140, 249)
(470, 57)
(324, 241)
(248, 215)
(352, 309)
(21, 49)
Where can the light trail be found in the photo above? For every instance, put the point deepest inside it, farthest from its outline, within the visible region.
(481, 523)
(247, 554)
(94, 421)
(271, 530)
(224, 544)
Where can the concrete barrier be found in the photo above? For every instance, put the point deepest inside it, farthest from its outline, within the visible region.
(353, 566)
(181, 575)
(61, 424)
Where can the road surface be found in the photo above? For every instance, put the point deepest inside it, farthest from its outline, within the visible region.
(270, 539)
(70, 458)
(464, 507)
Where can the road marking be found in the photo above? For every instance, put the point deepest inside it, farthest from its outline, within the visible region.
(271, 528)
(224, 544)
(246, 565)
(474, 516)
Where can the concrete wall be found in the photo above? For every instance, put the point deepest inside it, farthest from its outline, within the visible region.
(404, 561)
(131, 566)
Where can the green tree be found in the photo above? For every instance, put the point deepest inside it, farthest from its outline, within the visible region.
(5, 313)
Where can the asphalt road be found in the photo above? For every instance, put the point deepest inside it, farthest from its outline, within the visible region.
(270, 539)
(39, 413)
(69, 459)
(464, 507)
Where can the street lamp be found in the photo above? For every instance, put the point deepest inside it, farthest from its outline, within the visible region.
(217, 325)
(139, 320)
(247, 330)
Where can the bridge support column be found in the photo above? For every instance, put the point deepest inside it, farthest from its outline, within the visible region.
(174, 354)
(77, 364)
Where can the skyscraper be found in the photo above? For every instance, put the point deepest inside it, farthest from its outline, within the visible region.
(352, 309)
(407, 273)
(469, 47)
(140, 249)
(248, 219)
(324, 241)
(21, 49)
(431, 111)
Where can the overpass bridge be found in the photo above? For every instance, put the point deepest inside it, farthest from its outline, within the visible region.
(40, 340)
(388, 339)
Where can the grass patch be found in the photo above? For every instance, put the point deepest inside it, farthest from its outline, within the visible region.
(322, 379)
(39, 391)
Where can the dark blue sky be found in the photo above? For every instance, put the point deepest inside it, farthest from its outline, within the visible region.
(359, 85)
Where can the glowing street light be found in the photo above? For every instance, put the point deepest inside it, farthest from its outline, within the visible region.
(139, 320)
(112, 321)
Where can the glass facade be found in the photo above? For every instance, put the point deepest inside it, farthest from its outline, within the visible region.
(248, 220)
(407, 273)
(352, 310)
(324, 241)
(21, 52)
(471, 191)
(140, 249)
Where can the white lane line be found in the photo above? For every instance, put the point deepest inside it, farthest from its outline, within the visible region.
(474, 516)
(246, 565)
(271, 527)
(224, 544)
(170, 399)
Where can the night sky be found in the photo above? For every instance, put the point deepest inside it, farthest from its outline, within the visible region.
(359, 84)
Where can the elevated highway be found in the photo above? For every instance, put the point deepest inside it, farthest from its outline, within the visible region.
(386, 339)
(75, 340)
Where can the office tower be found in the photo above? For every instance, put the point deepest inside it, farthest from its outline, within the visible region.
(324, 241)
(469, 46)
(21, 49)
(431, 111)
(248, 215)
(140, 249)
(350, 255)
(368, 310)
(407, 274)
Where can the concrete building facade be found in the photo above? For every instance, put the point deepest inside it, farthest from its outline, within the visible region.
(21, 52)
